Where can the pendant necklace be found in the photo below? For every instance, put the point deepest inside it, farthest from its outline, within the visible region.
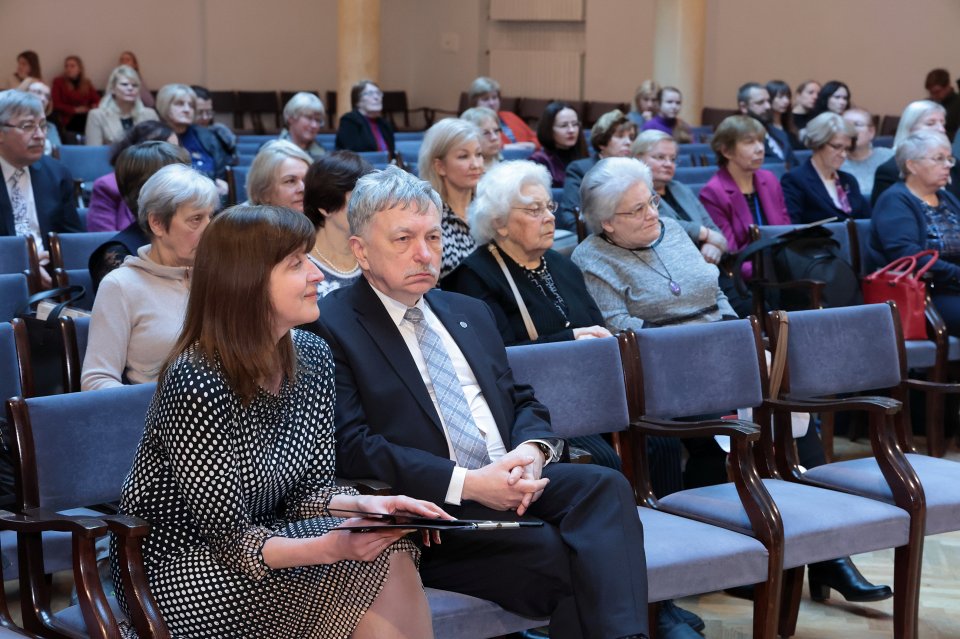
(672, 284)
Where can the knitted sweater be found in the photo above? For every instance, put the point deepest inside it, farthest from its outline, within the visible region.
(630, 292)
(137, 317)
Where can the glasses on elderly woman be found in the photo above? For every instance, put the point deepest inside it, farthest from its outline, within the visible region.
(945, 160)
(642, 208)
(539, 212)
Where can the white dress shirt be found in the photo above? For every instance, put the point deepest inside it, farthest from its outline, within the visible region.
(468, 381)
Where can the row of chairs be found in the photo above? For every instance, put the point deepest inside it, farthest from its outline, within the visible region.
(761, 529)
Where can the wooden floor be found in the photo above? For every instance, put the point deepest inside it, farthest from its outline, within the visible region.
(729, 618)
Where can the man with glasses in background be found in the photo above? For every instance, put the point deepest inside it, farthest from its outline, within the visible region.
(38, 193)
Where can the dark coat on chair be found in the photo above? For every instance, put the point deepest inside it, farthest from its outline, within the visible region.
(388, 428)
(808, 201)
(54, 197)
(354, 133)
(570, 200)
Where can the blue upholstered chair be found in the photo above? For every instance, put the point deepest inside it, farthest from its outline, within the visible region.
(700, 154)
(62, 464)
(728, 372)
(582, 384)
(63, 278)
(14, 292)
(237, 184)
(86, 163)
(695, 174)
(72, 250)
(74, 333)
(18, 254)
(862, 348)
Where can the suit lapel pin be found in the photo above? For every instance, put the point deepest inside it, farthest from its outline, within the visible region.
(463, 324)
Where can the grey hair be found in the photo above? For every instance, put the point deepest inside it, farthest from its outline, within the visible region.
(171, 187)
(170, 92)
(477, 115)
(481, 86)
(263, 171)
(301, 103)
(438, 141)
(108, 103)
(605, 184)
(822, 128)
(498, 191)
(914, 112)
(647, 140)
(388, 189)
(15, 102)
(917, 145)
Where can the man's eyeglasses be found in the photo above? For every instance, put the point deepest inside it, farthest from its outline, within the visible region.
(540, 211)
(28, 126)
(652, 203)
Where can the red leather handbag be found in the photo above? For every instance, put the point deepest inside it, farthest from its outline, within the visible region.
(900, 282)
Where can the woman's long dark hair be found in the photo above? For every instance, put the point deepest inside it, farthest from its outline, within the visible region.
(545, 129)
(229, 313)
(776, 88)
(826, 92)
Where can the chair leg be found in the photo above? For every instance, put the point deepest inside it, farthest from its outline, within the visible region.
(934, 425)
(826, 435)
(653, 614)
(766, 607)
(906, 591)
(790, 601)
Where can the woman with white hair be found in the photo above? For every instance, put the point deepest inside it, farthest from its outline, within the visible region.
(304, 115)
(276, 175)
(452, 162)
(818, 189)
(917, 214)
(177, 106)
(139, 309)
(922, 115)
(512, 222)
(119, 110)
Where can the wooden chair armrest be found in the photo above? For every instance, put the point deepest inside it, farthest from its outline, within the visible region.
(930, 387)
(735, 428)
(884, 405)
(37, 520)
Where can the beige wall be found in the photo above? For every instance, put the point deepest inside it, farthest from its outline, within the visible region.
(433, 48)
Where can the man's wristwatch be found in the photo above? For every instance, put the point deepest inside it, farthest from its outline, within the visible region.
(546, 450)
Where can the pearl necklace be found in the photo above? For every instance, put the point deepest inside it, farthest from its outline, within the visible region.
(333, 267)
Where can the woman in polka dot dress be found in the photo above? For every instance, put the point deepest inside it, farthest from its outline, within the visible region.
(235, 468)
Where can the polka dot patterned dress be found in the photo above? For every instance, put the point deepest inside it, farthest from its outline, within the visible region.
(216, 480)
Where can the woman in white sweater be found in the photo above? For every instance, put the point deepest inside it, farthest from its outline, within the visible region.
(139, 309)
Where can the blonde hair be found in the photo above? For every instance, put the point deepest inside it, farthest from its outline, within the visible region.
(108, 103)
(438, 141)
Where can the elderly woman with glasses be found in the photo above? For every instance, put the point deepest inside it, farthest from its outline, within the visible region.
(365, 129)
(818, 189)
(658, 150)
(304, 116)
(919, 214)
(489, 124)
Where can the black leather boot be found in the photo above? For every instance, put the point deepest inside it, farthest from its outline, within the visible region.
(843, 576)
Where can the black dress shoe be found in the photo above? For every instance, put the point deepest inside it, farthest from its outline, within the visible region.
(741, 592)
(843, 576)
(691, 619)
(671, 625)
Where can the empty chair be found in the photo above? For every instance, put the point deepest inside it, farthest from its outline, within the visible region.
(67, 468)
(398, 111)
(593, 110)
(86, 163)
(699, 154)
(582, 383)
(259, 104)
(18, 254)
(729, 372)
(409, 148)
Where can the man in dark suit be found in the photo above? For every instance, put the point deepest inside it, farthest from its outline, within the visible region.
(754, 100)
(37, 196)
(426, 401)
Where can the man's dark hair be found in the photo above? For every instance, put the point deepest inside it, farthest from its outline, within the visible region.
(743, 93)
(202, 92)
(937, 78)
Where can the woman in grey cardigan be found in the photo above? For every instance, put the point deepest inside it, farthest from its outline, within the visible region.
(640, 268)
(658, 150)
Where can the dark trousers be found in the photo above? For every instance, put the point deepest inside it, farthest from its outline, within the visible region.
(585, 567)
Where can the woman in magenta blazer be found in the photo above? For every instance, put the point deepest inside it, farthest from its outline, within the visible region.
(741, 193)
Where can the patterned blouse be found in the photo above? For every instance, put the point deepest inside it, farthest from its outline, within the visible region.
(457, 241)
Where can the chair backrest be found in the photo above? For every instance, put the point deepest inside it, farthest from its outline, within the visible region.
(9, 366)
(580, 382)
(375, 157)
(13, 254)
(72, 250)
(516, 154)
(695, 174)
(594, 109)
(13, 295)
(802, 155)
(77, 277)
(237, 183)
(776, 167)
(699, 154)
(859, 232)
(700, 369)
(75, 333)
(712, 116)
(842, 350)
(86, 163)
(76, 449)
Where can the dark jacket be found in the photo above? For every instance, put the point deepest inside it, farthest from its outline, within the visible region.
(807, 198)
(783, 140)
(211, 144)
(354, 133)
(53, 196)
(899, 229)
(570, 200)
(887, 174)
(480, 276)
